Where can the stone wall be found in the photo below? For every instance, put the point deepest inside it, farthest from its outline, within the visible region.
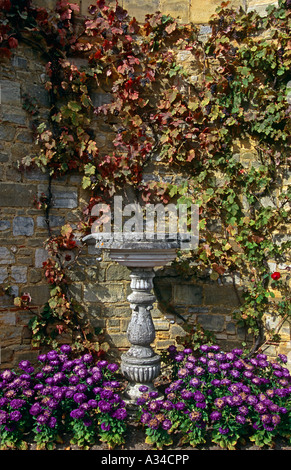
(101, 286)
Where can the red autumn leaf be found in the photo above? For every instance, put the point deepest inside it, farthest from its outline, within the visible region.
(218, 268)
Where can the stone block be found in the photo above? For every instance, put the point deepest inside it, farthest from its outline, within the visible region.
(4, 157)
(212, 322)
(4, 225)
(117, 272)
(187, 294)
(64, 197)
(16, 195)
(10, 93)
(23, 226)
(220, 295)
(140, 10)
(6, 257)
(200, 12)
(176, 8)
(54, 220)
(19, 274)
(108, 292)
(41, 256)
(39, 293)
(7, 133)
(3, 274)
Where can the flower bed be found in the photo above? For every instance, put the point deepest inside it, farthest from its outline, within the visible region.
(211, 396)
(65, 395)
(220, 395)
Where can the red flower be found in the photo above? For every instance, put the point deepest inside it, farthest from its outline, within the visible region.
(275, 276)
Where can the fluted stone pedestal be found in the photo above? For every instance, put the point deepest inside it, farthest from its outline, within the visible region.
(140, 365)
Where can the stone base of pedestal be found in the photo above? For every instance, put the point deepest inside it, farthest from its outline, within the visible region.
(138, 372)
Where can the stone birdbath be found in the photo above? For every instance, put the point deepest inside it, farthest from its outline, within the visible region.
(140, 365)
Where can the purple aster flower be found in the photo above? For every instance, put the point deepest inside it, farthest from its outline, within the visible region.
(198, 396)
(52, 355)
(179, 357)
(201, 404)
(105, 427)
(219, 402)
(215, 382)
(102, 364)
(153, 423)
(283, 358)
(237, 352)
(42, 358)
(199, 371)
(182, 373)
(24, 365)
(7, 375)
(189, 365)
(52, 422)
(205, 348)
(223, 430)
(215, 415)
(66, 348)
(192, 359)
(153, 394)
(276, 419)
(113, 367)
(213, 370)
(234, 373)
(168, 405)
(79, 397)
(166, 424)
(3, 416)
(215, 348)
(3, 401)
(266, 418)
(256, 380)
(52, 403)
(77, 413)
(180, 405)
(120, 414)
(145, 417)
(35, 409)
(17, 403)
(143, 388)
(154, 406)
(104, 406)
(15, 415)
(240, 419)
(187, 351)
(87, 358)
(195, 382)
(260, 407)
(186, 394)
(230, 356)
(243, 410)
(195, 415)
(239, 365)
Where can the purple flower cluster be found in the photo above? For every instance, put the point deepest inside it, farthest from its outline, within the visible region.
(223, 392)
(62, 390)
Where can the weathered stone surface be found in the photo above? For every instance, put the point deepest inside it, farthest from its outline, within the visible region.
(104, 293)
(3, 274)
(41, 256)
(23, 226)
(4, 225)
(39, 293)
(211, 322)
(220, 295)
(19, 274)
(10, 93)
(4, 157)
(16, 195)
(6, 257)
(116, 272)
(54, 220)
(187, 294)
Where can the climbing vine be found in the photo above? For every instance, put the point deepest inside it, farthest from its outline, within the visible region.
(193, 120)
